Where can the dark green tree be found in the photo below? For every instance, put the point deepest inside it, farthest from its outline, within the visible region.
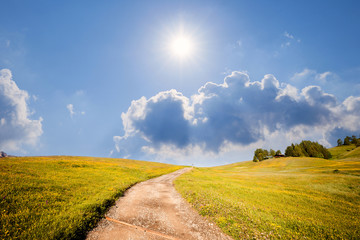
(278, 152)
(289, 151)
(298, 151)
(259, 154)
(326, 153)
(339, 142)
(307, 149)
(272, 152)
(347, 140)
(354, 140)
(265, 153)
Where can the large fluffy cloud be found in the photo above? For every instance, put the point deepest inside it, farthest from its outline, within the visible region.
(16, 129)
(234, 114)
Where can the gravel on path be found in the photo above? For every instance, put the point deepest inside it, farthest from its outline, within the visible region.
(155, 210)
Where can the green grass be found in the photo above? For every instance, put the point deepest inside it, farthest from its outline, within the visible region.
(63, 197)
(337, 152)
(348, 151)
(286, 198)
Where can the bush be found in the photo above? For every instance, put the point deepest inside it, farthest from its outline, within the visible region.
(307, 149)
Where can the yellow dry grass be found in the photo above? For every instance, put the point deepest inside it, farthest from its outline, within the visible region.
(63, 197)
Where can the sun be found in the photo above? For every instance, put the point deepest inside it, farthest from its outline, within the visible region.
(181, 46)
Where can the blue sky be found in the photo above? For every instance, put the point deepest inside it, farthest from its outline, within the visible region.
(97, 78)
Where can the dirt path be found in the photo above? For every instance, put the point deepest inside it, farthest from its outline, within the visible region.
(155, 210)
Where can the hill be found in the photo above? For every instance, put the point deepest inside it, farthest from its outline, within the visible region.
(284, 198)
(345, 151)
(63, 197)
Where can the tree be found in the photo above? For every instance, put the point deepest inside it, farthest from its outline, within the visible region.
(289, 151)
(326, 153)
(347, 140)
(278, 152)
(354, 139)
(259, 154)
(339, 142)
(307, 149)
(265, 153)
(298, 151)
(272, 152)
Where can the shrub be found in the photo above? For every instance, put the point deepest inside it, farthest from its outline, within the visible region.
(307, 149)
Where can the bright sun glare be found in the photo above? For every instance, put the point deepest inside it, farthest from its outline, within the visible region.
(181, 46)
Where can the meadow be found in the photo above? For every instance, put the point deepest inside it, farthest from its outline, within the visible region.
(282, 198)
(63, 197)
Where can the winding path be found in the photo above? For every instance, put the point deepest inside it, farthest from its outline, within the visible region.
(155, 210)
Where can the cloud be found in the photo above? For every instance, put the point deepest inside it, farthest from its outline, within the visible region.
(288, 35)
(72, 112)
(80, 93)
(289, 39)
(323, 77)
(306, 73)
(235, 114)
(309, 76)
(70, 107)
(16, 129)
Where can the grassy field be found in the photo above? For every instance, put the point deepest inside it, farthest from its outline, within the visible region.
(287, 198)
(63, 197)
(342, 152)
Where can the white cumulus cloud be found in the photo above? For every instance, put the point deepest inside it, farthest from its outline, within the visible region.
(235, 114)
(16, 127)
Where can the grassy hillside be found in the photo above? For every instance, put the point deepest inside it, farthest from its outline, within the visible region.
(345, 151)
(286, 198)
(63, 197)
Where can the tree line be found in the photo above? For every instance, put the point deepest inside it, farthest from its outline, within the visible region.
(307, 149)
(349, 140)
(304, 149)
(263, 154)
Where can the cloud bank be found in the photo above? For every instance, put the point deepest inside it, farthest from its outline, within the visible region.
(16, 129)
(236, 114)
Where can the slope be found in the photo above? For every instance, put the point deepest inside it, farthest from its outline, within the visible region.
(285, 198)
(63, 197)
(345, 151)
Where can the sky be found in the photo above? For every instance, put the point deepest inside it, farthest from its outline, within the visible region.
(184, 82)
